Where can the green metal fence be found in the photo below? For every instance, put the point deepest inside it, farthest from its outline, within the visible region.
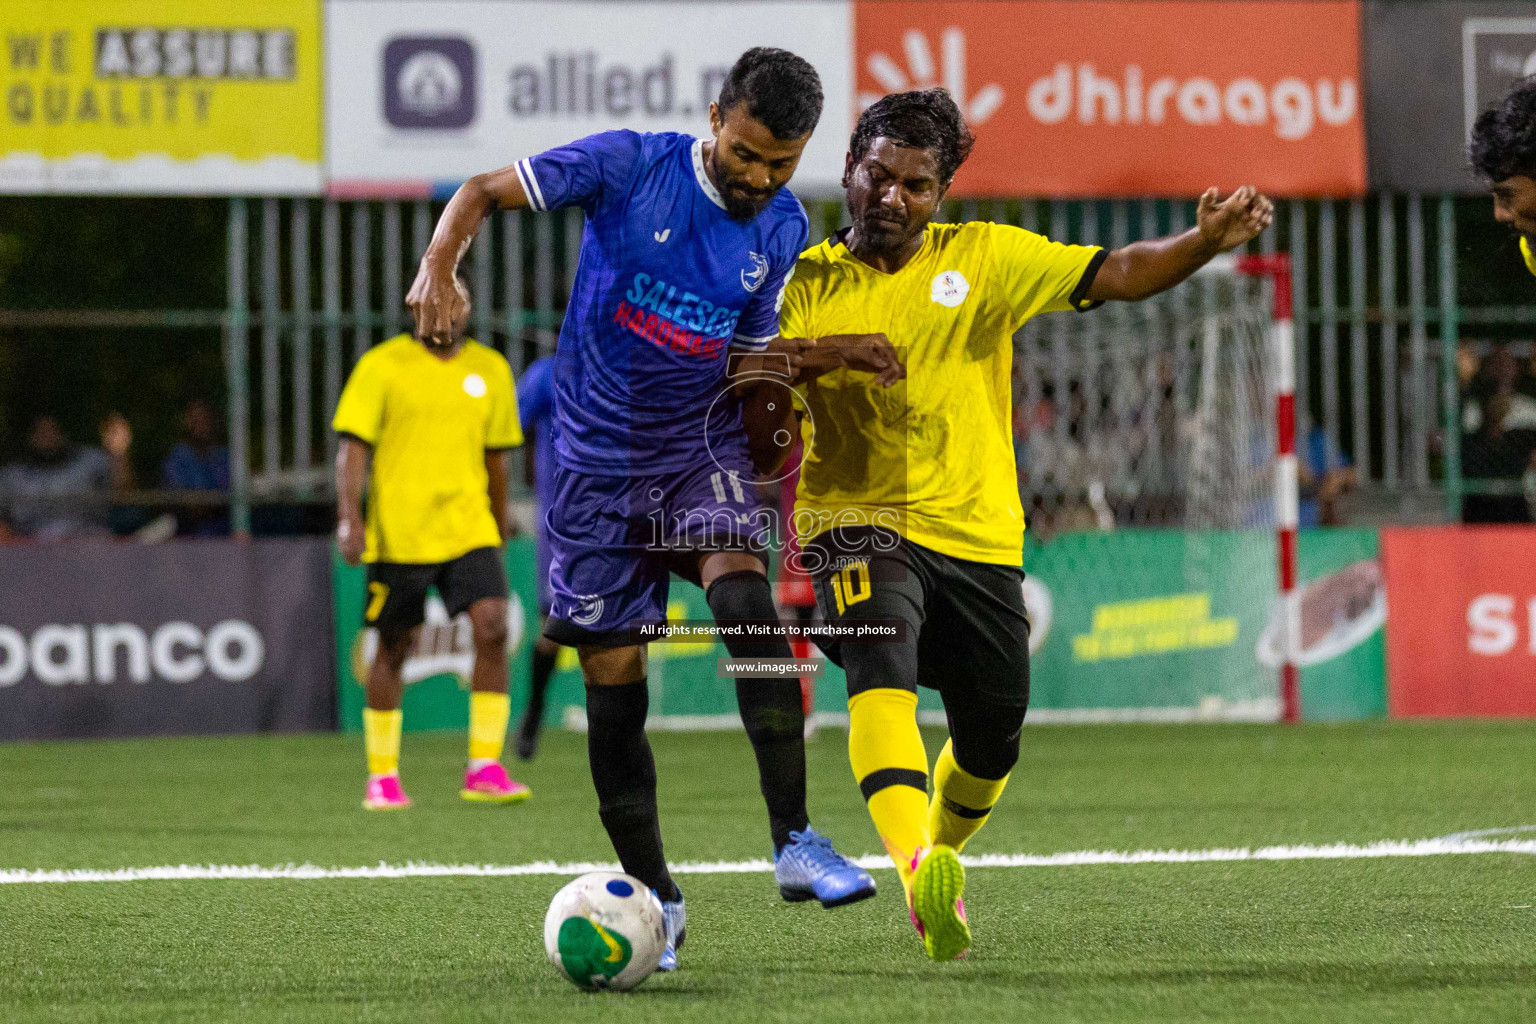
(312, 284)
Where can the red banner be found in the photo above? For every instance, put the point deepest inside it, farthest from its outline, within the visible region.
(1462, 636)
(1133, 99)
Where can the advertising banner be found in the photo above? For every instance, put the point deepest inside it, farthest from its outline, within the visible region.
(160, 97)
(1469, 645)
(1097, 99)
(194, 637)
(1432, 68)
(683, 688)
(423, 94)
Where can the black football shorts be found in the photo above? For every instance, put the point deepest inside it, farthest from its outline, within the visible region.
(397, 591)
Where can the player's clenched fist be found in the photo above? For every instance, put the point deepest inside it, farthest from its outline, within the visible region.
(438, 300)
(1231, 222)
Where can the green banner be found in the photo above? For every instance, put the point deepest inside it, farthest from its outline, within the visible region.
(1154, 624)
(1343, 625)
(1150, 623)
(1169, 624)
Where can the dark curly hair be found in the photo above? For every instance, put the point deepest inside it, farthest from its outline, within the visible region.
(782, 91)
(927, 119)
(1504, 138)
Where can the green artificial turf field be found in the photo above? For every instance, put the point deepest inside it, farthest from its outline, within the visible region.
(1442, 938)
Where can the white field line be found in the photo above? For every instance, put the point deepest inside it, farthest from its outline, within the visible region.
(1081, 858)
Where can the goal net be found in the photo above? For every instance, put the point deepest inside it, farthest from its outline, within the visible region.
(1146, 452)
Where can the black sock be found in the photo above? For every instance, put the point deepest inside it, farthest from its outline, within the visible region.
(543, 667)
(624, 773)
(771, 709)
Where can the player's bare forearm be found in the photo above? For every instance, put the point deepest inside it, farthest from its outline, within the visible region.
(870, 352)
(1143, 269)
(436, 299)
(474, 201)
(496, 474)
(352, 459)
(780, 361)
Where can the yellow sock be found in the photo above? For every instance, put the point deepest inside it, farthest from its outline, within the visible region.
(961, 801)
(891, 766)
(381, 738)
(488, 714)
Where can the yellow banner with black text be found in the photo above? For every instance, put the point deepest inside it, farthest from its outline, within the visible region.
(197, 97)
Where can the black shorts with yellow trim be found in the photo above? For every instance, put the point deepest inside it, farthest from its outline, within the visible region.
(966, 629)
(397, 591)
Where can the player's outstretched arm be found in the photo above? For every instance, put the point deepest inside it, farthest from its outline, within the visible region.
(436, 298)
(1142, 269)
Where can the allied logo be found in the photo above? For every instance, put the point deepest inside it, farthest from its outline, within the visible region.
(475, 386)
(429, 82)
(753, 280)
(950, 288)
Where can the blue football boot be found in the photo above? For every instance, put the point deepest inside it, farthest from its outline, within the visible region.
(807, 868)
(674, 917)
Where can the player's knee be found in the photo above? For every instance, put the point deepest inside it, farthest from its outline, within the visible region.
(488, 622)
(395, 646)
(986, 743)
(743, 594)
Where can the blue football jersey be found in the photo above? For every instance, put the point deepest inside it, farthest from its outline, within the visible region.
(667, 285)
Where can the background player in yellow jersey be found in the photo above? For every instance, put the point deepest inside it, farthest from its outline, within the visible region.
(1503, 151)
(428, 425)
(917, 474)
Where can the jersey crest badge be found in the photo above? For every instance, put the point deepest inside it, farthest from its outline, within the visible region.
(753, 279)
(950, 288)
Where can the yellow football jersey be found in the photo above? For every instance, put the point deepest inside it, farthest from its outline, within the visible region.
(1525, 250)
(430, 422)
(931, 456)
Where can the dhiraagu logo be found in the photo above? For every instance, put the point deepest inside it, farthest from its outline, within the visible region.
(1155, 625)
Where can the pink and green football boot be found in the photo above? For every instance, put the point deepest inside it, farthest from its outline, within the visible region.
(490, 784)
(384, 794)
(938, 904)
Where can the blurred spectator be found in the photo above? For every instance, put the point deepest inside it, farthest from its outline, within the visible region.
(1498, 433)
(198, 463)
(1325, 474)
(60, 491)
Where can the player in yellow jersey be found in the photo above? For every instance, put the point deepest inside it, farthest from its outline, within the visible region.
(1503, 151)
(907, 493)
(427, 426)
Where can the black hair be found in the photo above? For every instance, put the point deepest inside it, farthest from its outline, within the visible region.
(1504, 138)
(782, 91)
(926, 119)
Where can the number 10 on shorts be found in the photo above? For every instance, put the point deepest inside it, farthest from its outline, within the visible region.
(850, 585)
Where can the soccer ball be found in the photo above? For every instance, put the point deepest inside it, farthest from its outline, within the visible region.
(605, 931)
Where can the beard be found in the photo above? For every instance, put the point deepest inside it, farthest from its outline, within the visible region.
(741, 203)
(881, 235)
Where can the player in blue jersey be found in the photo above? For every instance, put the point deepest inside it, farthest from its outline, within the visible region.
(536, 407)
(687, 245)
